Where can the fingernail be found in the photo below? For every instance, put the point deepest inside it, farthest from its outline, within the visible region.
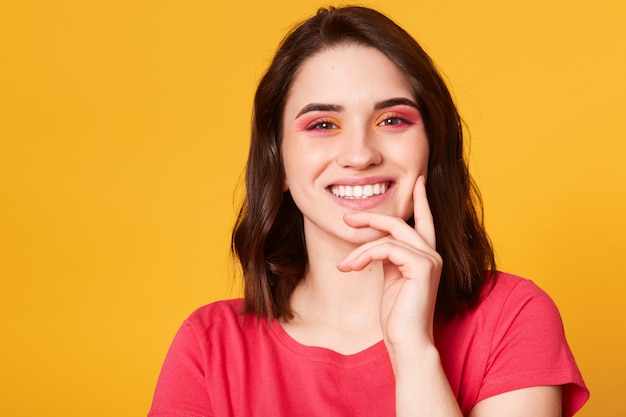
(341, 265)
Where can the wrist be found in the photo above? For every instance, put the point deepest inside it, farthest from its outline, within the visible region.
(415, 357)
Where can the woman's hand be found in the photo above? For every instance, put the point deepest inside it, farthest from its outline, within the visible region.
(412, 268)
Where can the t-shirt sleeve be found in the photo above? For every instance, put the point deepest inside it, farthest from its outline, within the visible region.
(181, 389)
(529, 349)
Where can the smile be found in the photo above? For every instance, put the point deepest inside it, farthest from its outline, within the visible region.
(359, 191)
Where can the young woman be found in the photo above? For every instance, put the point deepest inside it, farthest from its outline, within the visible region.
(370, 283)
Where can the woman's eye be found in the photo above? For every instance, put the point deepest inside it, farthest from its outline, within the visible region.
(392, 121)
(322, 125)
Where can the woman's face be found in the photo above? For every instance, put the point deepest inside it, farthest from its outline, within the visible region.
(353, 140)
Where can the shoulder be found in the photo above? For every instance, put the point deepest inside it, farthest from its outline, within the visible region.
(507, 305)
(213, 334)
(217, 312)
(513, 339)
(510, 293)
(505, 285)
(515, 309)
(210, 337)
(219, 318)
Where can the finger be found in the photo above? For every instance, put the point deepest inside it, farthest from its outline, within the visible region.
(393, 226)
(404, 258)
(424, 224)
(357, 253)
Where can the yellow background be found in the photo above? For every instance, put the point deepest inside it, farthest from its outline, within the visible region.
(123, 133)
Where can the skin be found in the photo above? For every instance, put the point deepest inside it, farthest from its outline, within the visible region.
(349, 119)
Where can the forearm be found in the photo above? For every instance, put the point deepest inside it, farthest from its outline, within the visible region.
(422, 389)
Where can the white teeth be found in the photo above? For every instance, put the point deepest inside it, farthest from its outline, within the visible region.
(358, 191)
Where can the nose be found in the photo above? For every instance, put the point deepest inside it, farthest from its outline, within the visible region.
(359, 151)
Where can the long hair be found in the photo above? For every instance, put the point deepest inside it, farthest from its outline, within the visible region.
(268, 237)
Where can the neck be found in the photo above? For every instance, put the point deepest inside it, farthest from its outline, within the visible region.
(336, 309)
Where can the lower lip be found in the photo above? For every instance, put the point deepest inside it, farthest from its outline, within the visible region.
(363, 203)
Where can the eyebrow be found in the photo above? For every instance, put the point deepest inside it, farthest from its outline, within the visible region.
(319, 107)
(399, 101)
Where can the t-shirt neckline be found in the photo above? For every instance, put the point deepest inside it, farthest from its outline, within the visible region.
(322, 354)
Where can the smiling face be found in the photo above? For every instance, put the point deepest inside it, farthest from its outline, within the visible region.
(353, 140)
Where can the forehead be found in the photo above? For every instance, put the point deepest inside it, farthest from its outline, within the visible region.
(348, 73)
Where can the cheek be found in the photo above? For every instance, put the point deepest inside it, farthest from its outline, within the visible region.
(422, 155)
(295, 165)
(305, 161)
(411, 156)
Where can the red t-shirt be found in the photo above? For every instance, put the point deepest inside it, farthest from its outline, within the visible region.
(224, 364)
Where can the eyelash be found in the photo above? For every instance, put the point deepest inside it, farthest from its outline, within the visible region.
(391, 120)
(396, 120)
(322, 125)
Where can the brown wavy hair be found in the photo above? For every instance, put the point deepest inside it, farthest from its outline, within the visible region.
(268, 237)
